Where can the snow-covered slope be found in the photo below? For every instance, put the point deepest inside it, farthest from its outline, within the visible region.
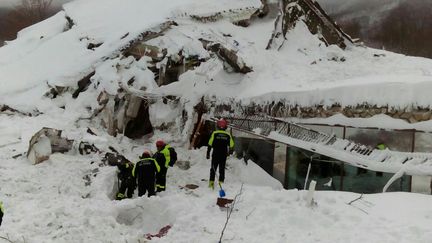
(69, 199)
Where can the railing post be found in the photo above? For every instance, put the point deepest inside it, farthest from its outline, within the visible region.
(307, 174)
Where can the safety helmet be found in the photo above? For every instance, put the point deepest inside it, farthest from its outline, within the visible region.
(221, 124)
(160, 143)
(146, 154)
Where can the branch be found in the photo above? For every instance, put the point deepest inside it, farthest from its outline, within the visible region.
(229, 212)
(350, 203)
(355, 199)
(7, 239)
(247, 216)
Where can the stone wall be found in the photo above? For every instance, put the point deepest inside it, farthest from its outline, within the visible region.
(409, 114)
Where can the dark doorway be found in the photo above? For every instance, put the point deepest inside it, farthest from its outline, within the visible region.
(141, 125)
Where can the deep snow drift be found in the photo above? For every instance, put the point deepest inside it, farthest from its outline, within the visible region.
(51, 202)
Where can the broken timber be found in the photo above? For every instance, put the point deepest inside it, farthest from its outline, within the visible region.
(315, 18)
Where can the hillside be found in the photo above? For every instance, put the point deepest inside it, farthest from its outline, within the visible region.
(399, 26)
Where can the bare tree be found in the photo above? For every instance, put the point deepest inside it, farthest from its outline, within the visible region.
(27, 13)
(36, 10)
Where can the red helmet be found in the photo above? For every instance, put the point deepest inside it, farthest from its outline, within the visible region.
(146, 154)
(160, 143)
(222, 124)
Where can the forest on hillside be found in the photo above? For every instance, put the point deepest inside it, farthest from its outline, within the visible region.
(24, 14)
(404, 27)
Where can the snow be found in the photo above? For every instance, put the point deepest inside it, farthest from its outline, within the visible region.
(53, 204)
(68, 198)
(302, 67)
(304, 73)
(379, 121)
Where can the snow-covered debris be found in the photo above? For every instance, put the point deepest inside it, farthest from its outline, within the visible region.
(45, 142)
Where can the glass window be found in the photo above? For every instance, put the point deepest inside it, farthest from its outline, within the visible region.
(423, 143)
(338, 131)
(331, 174)
(366, 181)
(258, 150)
(325, 171)
(279, 165)
(394, 140)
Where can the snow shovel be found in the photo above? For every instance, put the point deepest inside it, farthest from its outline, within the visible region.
(221, 191)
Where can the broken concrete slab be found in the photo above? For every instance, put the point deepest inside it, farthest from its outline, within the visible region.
(45, 142)
(227, 55)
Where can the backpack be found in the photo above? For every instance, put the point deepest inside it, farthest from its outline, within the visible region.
(173, 156)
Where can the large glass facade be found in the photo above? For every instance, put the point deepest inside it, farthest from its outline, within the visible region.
(331, 174)
(290, 165)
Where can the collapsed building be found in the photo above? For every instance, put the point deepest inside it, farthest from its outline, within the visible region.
(143, 72)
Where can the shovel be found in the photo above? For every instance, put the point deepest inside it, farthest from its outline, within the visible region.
(221, 191)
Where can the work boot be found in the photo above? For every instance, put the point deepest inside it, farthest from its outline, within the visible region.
(211, 185)
(220, 184)
(120, 196)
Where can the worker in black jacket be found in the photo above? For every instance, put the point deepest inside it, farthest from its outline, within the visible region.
(127, 182)
(1, 212)
(145, 173)
(222, 144)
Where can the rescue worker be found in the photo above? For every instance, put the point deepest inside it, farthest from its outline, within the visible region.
(127, 182)
(222, 144)
(1, 212)
(166, 156)
(145, 173)
(380, 146)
